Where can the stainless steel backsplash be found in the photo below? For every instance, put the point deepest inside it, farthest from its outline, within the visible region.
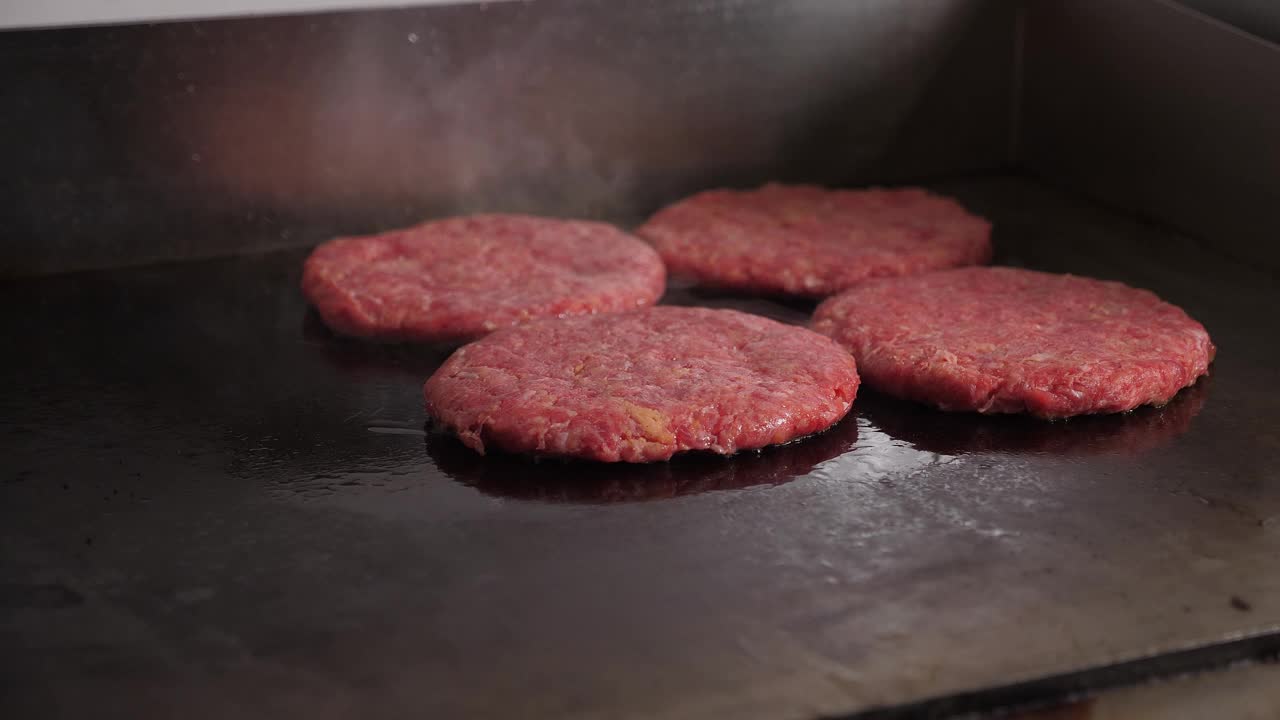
(125, 145)
(1151, 107)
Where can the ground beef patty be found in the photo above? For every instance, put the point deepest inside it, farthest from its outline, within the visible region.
(1005, 340)
(806, 240)
(466, 276)
(643, 385)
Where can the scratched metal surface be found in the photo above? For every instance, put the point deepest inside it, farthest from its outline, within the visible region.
(210, 506)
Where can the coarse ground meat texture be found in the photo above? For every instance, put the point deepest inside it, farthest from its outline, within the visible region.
(1006, 340)
(463, 277)
(643, 385)
(806, 240)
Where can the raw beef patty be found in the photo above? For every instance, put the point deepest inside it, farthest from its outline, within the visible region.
(806, 240)
(466, 276)
(1004, 340)
(643, 385)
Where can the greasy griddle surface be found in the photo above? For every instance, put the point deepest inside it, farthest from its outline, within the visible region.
(210, 503)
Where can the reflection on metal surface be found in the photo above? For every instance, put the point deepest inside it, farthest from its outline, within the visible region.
(131, 144)
(200, 508)
(1141, 430)
(39, 13)
(1187, 138)
(371, 358)
(878, 457)
(521, 478)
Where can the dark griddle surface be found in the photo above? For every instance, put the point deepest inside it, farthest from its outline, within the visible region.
(212, 507)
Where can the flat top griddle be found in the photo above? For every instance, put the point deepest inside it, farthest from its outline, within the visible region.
(211, 505)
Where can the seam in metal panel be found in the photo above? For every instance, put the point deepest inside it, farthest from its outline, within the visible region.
(1222, 24)
(38, 14)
